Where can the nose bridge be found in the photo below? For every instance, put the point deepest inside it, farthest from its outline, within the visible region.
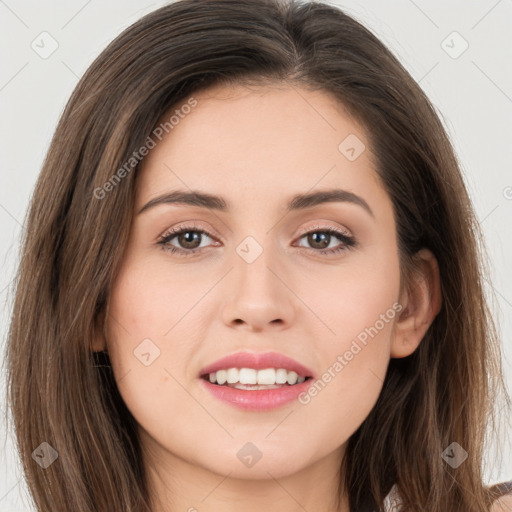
(257, 293)
(254, 257)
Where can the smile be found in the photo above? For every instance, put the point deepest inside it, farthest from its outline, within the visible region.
(258, 382)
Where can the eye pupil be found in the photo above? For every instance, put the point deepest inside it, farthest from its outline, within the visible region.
(188, 239)
(324, 239)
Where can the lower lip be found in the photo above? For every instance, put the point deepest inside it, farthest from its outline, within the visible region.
(257, 400)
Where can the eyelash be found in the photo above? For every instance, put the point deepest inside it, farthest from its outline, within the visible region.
(348, 241)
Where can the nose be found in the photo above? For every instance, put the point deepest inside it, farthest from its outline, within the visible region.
(259, 294)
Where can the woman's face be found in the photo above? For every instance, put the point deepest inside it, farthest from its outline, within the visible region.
(260, 275)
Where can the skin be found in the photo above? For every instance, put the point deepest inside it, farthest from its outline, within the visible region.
(257, 147)
(503, 505)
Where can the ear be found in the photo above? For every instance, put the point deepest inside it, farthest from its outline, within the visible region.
(421, 302)
(98, 343)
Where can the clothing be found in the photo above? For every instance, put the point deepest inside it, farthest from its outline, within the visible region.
(392, 502)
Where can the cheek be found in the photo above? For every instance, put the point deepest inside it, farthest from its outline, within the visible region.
(342, 397)
(150, 301)
(356, 296)
(360, 307)
(150, 339)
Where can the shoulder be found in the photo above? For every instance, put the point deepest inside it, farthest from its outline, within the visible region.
(392, 501)
(503, 504)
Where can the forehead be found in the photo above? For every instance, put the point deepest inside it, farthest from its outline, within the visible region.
(271, 140)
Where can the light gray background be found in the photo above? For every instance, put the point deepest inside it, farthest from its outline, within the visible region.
(473, 93)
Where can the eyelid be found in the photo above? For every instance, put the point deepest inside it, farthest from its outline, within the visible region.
(318, 226)
(190, 225)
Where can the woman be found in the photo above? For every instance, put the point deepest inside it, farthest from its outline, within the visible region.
(179, 341)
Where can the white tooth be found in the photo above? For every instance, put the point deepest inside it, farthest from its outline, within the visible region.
(247, 376)
(250, 376)
(222, 376)
(292, 377)
(281, 376)
(267, 376)
(233, 374)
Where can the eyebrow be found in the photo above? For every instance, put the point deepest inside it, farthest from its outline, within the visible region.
(218, 203)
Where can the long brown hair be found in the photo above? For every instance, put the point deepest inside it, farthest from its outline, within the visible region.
(64, 394)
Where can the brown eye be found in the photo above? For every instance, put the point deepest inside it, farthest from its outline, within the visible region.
(188, 239)
(320, 239)
(185, 240)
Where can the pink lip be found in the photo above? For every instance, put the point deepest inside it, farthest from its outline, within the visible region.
(258, 362)
(262, 399)
(257, 400)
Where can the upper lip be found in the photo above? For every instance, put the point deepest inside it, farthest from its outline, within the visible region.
(258, 361)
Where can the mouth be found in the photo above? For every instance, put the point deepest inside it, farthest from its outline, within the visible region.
(257, 382)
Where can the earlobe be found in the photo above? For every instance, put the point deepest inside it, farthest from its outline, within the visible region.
(421, 301)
